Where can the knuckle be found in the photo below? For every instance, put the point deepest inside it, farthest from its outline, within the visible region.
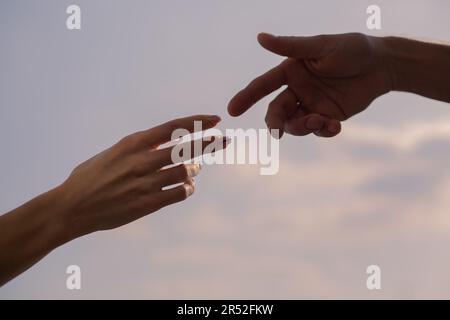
(172, 125)
(143, 190)
(137, 168)
(135, 171)
(130, 141)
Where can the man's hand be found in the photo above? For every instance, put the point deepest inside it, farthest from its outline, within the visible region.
(329, 78)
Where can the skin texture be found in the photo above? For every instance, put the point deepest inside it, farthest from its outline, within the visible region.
(115, 187)
(330, 78)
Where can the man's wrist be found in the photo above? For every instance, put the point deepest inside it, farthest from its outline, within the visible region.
(417, 67)
(390, 60)
(397, 59)
(383, 64)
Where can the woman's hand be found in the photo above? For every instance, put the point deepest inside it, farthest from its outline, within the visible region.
(117, 186)
(126, 181)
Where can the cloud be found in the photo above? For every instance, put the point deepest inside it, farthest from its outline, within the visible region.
(407, 137)
(308, 232)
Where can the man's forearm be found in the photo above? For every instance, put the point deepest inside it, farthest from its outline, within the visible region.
(418, 67)
(29, 233)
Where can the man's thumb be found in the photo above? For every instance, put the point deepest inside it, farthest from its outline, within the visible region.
(295, 47)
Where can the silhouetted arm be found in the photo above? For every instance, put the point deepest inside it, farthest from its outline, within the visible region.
(419, 67)
(330, 78)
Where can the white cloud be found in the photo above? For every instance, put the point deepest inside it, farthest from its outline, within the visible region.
(407, 137)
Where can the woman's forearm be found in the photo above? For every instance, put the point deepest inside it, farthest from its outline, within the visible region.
(117, 186)
(419, 67)
(29, 233)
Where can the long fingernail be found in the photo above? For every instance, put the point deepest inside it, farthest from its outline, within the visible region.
(190, 188)
(193, 170)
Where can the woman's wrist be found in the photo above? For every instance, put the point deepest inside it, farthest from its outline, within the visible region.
(31, 231)
(54, 214)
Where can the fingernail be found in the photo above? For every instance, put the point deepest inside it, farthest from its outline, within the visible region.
(332, 128)
(267, 34)
(190, 188)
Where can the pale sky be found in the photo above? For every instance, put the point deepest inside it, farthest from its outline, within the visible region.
(377, 194)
